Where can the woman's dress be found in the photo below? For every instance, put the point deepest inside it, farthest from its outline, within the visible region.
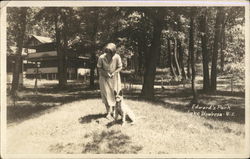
(108, 85)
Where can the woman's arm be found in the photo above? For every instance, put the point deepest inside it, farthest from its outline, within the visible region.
(103, 73)
(117, 70)
(119, 65)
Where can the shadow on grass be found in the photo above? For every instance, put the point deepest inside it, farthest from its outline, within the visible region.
(98, 118)
(30, 105)
(112, 142)
(180, 101)
(105, 142)
(91, 117)
(20, 113)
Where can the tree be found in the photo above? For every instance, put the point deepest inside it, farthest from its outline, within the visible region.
(62, 43)
(191, 52)
(92, 21)
(181, 54)
(151, 59)
(170, 57)
(230, 19)
(217, 27)
(65, 23)
(17, 20)
(205, 56)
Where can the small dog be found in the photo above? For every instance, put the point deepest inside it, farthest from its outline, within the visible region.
(122, 109)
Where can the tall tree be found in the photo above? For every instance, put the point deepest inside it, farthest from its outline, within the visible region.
(171, 58)
(92, 27)
(17, 20)
(181, 54)
(57, 17)
(149, 76)
(217, 27)
(205, 56)
(191, 51)
(62, 44)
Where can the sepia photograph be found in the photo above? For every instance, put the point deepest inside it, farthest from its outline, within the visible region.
(118, 79)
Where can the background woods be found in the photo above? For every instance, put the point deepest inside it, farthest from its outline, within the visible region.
(205, 42)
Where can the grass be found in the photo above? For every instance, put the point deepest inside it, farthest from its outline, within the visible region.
(79, 127)
(72, 121)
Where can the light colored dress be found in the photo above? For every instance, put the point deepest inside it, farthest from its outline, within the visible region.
(108, 85)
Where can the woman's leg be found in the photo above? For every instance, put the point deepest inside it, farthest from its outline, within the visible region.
(107, 107)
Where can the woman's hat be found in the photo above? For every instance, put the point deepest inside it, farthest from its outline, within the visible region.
(111, 46)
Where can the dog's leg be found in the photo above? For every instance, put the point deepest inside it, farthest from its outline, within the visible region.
(123, 118)
(115, 113)
(131, 115)
(109, 113)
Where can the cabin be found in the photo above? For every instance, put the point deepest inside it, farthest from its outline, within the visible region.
(42, 59)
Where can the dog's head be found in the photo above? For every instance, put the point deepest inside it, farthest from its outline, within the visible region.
(118, 96)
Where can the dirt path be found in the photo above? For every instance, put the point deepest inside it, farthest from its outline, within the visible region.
(79, 127)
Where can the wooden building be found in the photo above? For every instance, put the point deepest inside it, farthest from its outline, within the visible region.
(45, 60)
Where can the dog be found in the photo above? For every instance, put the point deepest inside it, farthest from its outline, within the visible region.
(122, 109)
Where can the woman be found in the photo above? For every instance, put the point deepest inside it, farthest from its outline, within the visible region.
(109, 66)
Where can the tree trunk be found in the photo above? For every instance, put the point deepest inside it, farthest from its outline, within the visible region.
(61, 41)
(191, 51)
(223, 46)
(140, 56)
(170, 59)
(149, 75)
(181, 53)
(21, 26)
(176, 59)
(145, 51)
(218, 22)
(188, 66)
(205, 57)
(93, 58)
(92, 70)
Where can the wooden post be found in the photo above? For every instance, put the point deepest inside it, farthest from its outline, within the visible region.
(77, 76)
(36, 74)
(22, 73)
(124, 82)
(232, 84)
(161, 82)
(69, 75)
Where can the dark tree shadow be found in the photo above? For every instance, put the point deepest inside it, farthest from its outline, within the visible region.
(98, 119)
(90, 118)
(114, 122)
(234, 99)
(20, 113)
(30, 105)
(50, 97)
(113, 142)
(105, 142)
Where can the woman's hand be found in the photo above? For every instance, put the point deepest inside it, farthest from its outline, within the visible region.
(110, 75)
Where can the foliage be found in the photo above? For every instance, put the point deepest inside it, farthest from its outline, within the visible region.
(89, 29)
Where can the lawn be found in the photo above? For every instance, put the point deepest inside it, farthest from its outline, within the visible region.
(72, 121)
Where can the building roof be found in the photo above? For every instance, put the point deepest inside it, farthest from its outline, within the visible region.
(12, 50)
(43, 39)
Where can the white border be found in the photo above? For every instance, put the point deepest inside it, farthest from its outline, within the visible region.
(127, 3)
(119, 3)
(247, 78)
(3, 79)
